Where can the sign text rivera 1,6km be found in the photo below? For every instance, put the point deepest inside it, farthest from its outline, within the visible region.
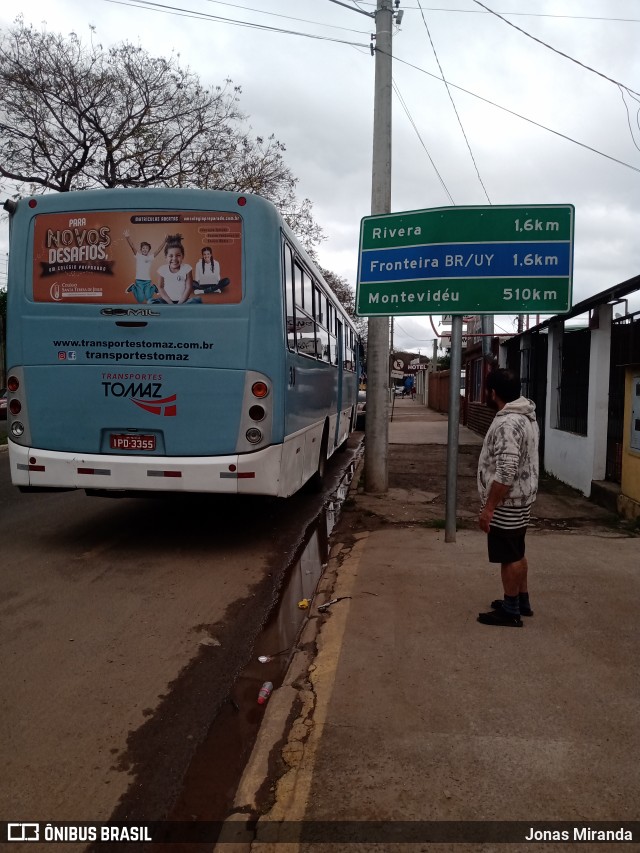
(467, 260)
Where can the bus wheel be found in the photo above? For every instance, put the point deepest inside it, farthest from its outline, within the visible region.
(317, 480)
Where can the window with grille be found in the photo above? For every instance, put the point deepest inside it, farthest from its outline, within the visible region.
(573, 392)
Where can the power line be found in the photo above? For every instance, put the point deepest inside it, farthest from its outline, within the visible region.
(174, 10)
(518, 115)
(413, 124)
(424, 20)
(626, 106)
(288, 17)
(353, 8)
(529, 14)
(555, 50)
(188, 13)
(413, 337)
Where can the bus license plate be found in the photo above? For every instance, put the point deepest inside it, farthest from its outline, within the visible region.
(132, 442)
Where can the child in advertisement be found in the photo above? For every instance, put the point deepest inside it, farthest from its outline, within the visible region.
(206, 275)
(175, 277)
(142, 288)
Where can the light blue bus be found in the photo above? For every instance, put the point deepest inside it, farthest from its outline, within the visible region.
(171, 340)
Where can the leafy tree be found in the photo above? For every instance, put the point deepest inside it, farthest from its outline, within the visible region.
(77, 117)
(345, 294)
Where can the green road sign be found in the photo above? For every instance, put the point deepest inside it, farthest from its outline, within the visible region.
(467, 260)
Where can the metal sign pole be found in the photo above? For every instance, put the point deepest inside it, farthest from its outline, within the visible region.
(452, 434)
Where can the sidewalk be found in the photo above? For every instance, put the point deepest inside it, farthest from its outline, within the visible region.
(401, 707)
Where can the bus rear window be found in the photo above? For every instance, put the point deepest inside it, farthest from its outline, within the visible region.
(141, 257)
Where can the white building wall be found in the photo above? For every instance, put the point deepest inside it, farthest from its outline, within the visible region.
(576, 459)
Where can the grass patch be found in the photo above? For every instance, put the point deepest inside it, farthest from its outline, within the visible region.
(550, 484)
(434, 524)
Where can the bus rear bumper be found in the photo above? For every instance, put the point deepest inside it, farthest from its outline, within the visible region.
(251, 473)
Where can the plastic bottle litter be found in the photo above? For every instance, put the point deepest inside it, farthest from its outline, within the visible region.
(264, 692)
(323, 607)
(268, 658)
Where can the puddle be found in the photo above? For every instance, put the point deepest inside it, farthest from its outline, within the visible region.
(211, 781)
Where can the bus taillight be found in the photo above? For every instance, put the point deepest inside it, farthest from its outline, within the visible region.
(15, 407)
(256, 413)
(259, 389)
(13, 384)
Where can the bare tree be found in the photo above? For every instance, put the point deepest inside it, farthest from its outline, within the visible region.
(78, 117)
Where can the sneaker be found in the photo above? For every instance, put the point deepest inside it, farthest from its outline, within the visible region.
(500, 617)
(497, 605)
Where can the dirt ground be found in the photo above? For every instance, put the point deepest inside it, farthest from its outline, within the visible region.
(417, 495)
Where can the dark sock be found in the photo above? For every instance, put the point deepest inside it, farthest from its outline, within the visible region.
(511, 605)
(523, 599)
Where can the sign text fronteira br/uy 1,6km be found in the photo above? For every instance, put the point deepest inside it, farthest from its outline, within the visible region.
(467, 260)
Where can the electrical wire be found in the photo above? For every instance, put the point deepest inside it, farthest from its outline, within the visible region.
(528, 14)
(178, 11)
(188, 13)
(555, 50)
(453, 104)
(518, 115)
(355, 8)
(413, 337)
(626, 106)
(287, 17)
(413, 124)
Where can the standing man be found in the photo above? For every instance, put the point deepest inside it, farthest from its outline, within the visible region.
(508, 484)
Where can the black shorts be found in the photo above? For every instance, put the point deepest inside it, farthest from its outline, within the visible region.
(506, 546)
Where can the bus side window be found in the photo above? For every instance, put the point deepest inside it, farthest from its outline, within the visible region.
(306, 334)
(307, 293)
(322, 334)
(288, 289)
(349, 359)
(297, 286)
(345, 347)
(301, 323)
(331, 326)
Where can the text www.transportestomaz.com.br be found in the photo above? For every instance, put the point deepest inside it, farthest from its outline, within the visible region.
(116, 350)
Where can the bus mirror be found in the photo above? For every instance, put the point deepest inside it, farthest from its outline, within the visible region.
(10, 206)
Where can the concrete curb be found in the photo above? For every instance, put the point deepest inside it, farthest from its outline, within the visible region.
(278, 730)
(308, 684)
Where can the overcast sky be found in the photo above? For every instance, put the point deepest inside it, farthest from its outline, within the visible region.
(316, 96)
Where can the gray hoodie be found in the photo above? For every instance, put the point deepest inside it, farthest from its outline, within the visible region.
(510, 454)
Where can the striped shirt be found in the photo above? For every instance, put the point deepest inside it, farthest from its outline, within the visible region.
(511, 518)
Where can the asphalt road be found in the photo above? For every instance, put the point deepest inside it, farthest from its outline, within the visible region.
(123, 626)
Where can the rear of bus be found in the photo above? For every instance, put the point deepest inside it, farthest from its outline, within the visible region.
(112, 388)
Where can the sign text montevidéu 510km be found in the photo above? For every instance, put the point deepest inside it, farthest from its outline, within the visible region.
(472, 260)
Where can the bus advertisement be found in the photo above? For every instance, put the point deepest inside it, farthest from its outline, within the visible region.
(171, 340)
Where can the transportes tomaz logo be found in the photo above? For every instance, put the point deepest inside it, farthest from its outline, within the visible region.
(146, 395)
